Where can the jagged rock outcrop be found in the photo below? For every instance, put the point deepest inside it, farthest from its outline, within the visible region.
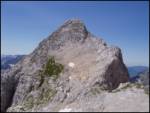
(88, 64)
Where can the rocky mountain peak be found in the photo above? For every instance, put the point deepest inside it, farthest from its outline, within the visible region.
(74, 22)
(72, 30)
(65, 67)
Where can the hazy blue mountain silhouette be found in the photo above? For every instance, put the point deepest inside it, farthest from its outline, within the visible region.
(135, 70)
(7, 60)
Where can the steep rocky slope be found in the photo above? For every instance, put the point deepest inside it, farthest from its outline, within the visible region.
(65, 67)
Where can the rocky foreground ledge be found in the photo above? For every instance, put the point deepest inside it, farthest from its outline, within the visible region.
(127, 98)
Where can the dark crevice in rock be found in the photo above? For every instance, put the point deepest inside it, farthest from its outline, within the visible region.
(8, 88)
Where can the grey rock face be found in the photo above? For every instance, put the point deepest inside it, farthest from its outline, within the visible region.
(88, 63)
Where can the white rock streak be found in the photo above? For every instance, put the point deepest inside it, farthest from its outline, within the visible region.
(71, 64)
(70, 77)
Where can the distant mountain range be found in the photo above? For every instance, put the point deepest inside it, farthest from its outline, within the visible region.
(9, 60)
(135, 70)
(139, 74)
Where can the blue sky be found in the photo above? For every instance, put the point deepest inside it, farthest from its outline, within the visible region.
(124, 24)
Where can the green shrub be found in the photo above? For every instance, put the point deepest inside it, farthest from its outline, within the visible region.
(52, 68)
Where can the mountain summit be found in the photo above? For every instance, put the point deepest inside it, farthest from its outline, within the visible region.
(71, 30)
(68, 66)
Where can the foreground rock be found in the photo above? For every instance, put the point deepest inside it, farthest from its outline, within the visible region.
(66, 67)
(129, 98)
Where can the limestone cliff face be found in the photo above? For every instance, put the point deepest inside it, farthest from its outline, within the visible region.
(88, 63)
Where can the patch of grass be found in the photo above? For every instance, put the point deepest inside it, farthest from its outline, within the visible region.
(52, 68)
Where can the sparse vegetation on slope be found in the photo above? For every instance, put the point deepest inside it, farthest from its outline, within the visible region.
(52, 68)
(42, 98)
